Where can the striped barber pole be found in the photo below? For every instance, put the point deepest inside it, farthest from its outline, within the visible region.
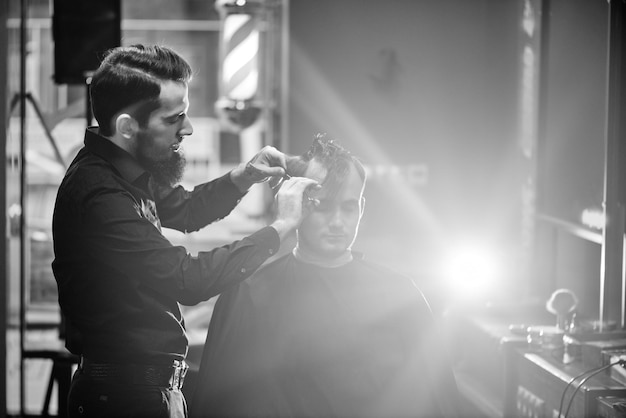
(240, 67)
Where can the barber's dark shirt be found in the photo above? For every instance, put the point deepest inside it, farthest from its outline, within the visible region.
(120, 280)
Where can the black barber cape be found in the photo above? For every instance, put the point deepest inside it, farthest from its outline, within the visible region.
(299, 340)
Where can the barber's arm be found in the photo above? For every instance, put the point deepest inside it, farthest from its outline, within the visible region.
(136, 249)
(189, 211)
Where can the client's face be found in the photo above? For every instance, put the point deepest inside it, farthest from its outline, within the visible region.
(331, 227)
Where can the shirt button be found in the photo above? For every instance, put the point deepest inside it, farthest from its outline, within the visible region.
(243, 270)
(271, 251)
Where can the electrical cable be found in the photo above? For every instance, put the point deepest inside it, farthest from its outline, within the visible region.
(567, 387)
(582, 382)
(586, 376)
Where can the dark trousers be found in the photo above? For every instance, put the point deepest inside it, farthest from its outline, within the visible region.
(97, 398)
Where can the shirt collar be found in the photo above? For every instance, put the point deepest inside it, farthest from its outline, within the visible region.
(339, 261)
(124, 163)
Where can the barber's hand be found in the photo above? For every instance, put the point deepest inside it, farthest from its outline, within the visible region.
(292, 204)
(269, 162)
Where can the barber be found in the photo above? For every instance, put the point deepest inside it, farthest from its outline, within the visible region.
(120, 280)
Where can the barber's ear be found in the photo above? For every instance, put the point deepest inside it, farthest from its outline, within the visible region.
(126, 125)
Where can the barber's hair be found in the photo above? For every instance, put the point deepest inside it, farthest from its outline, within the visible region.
(132, 75)
(332, 156)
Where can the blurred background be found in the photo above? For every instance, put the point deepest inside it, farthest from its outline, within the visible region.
(491, 131)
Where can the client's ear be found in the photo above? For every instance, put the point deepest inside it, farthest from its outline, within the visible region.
(126, 125)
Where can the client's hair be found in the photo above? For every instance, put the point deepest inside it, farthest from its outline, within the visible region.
(332, 156)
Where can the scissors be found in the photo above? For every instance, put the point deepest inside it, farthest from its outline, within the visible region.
(315, 202)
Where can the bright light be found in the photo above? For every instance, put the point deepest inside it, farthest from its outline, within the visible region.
(470, 270)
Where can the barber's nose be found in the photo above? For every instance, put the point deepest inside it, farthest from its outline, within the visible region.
(187, 128)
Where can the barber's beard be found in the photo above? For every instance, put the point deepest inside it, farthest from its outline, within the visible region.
(167, 170)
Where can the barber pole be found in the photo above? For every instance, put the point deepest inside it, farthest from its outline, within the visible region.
(240, 69)
(239, 81)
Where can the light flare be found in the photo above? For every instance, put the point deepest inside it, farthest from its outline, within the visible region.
(471, 269)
